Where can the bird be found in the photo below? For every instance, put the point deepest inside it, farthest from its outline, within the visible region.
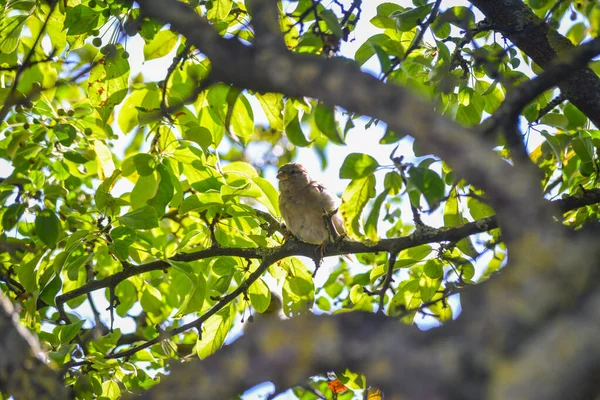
(303, 202)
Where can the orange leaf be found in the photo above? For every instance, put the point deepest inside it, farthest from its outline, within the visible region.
(336, 386)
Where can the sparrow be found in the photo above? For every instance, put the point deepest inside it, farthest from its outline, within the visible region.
(303, 202)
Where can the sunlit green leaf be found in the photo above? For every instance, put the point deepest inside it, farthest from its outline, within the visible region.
(354, 199)
(260, 296)
(214, 331)
(161, 45)
(358, 165)
(142, 218)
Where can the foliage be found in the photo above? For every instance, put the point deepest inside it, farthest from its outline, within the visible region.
(152, 182)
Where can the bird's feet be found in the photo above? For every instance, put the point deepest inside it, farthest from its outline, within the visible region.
(287, 236)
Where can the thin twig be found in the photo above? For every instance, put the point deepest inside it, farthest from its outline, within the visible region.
(424, 26)
(387, 282)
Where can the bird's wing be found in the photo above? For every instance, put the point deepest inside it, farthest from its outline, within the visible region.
(329, 202)
(326, 200)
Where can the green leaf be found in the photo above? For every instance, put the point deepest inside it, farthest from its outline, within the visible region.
(111, 390)
(269, 196)
(356, 294)
(358, 165)
(82, 20)
(429, 183)
(106, 165)
(26, 272)
(108, 82)
(409, 19)
(460, 16)
(10, 32)
(428, 287)
(144, 164)
(478, 209)
(47, 226)
(165, 191)
(79, 157)
(576, 118)
(584, 148)
(298, 288)
(65, 133)
(142, 218)
(49, 292)
(242, 119)
(354, 199)
(200, 135)
(151, 300)
(144, 189)
(260, 296)
(407, 297)
(577, 33)
(325, 121)
(123, 237)
(332, 22)
(433, 269)
(383, 41)
(12, 215)
(393, 182)
(214, 331)
(293, 129)
(162, 44)
(555, 120)
(382, 19)
(415, 253)
(272, 104)
(66, 333)
(200, 202)
(537, 4)
(137, 106)
(195, 299)
(219, 11)
(452, 215)
(373, 219)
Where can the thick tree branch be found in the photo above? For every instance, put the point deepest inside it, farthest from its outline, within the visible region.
(288, 352)
(396, 358)
(543, 44)
(23, 373)
(265, 19)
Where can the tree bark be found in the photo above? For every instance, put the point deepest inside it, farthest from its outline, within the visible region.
(543, 44)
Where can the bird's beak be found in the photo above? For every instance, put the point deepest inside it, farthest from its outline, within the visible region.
(282, 176)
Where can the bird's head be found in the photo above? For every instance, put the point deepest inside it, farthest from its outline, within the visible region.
(292, 173)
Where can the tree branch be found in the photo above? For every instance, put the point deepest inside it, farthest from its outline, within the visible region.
(295, 248)
(23, 373)
(396, 357)
(543, 44)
